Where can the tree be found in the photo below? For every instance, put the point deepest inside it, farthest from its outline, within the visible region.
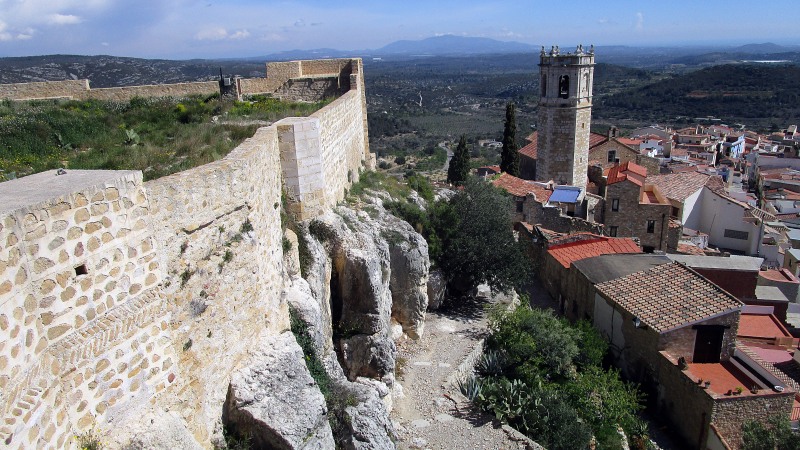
(477, 239)
(458, 170)
(509, 159)
(776, 434)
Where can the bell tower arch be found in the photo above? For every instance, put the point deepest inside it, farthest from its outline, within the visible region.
(565, 115)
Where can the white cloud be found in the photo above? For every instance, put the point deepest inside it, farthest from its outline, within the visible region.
(639, 21)
(241, 34)
(219, 34)
(7, 34)
(63, 19)
(274, 37)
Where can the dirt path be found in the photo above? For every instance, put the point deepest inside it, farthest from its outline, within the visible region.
(429, 416)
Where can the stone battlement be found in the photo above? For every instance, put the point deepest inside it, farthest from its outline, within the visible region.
(118, 296)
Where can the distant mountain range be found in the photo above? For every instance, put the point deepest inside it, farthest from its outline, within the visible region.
(106, 71)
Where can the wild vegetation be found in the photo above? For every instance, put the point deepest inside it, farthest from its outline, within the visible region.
(544, 377)
(777, 434)
(158, 136)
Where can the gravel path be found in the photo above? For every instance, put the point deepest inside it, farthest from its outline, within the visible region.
(431, 415)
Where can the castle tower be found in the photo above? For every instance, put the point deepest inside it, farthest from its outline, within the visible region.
(565, 114)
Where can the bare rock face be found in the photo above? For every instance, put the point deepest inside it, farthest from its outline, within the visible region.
(436, 289)
(409, 277)
(275, 400)
(369, 425)
(154, 429)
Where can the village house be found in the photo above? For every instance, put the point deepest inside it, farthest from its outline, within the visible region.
(558, 253)
(636, 208)
(672, 329)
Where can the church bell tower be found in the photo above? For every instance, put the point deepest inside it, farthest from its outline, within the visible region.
(565, 115)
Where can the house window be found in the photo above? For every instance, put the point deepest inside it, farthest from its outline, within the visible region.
(612, 156)
(736, 234)
(675, 211)
(651, 226)
(519, 206)
(612, 231)
(615, 204)
(81, 270)
(544, 86)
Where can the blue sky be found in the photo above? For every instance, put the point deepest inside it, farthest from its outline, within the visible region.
(233, 28)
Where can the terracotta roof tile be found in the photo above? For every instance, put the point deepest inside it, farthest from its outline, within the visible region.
(530, 150)
(627, 171)
(588, 246)
(669, 296)
(679, 186)
(596, 139)
(521, 188)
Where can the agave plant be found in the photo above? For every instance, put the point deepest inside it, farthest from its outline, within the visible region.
(472, 388)
(492, 363)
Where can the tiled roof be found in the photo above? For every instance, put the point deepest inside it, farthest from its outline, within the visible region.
(588, 246)
(679, 186)
(521, 188)
(689, 249)
(596, 139)
(530, 150)
(668, 297)
(627, 171)
(630, 142)
(773, 359)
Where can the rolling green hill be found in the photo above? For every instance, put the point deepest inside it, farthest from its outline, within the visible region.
(758, 95)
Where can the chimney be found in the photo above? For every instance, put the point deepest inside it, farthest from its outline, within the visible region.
(613, 132)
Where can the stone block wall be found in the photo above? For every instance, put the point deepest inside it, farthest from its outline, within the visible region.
(563, 151)
(125, 93)
(224, 277)
(80, 284)
(730, 413)
(632, 216)
(119, 297)
(44, 89)
(327, 77)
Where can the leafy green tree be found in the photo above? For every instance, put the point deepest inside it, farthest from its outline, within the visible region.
(509, 158)
(458, 170)
(775, 434)
(478, 244)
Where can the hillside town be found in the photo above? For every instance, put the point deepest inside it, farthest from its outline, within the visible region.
(680, 246)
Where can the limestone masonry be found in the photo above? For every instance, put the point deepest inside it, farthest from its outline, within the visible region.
(565, 115)
(119, 297)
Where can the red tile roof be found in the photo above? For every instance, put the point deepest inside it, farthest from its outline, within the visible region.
(530, 150)
(589, 245)
(679, 186)
(690, 249)
(596, 139)
(669, 296)
(627, 171)
(630, 142)
(521, 188)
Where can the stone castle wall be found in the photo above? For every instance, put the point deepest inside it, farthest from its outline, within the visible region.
(119, 296)
(278, 74)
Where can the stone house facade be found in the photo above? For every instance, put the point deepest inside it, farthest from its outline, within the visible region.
(634, 208)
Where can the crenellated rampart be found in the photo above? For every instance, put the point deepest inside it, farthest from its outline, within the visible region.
(118, 296)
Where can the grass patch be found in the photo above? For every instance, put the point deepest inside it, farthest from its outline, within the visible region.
(158, 136)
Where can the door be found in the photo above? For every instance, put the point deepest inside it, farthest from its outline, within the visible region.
(708, 344)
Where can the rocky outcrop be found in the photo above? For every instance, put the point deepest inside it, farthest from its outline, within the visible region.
(274, 399)
(436, 289)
